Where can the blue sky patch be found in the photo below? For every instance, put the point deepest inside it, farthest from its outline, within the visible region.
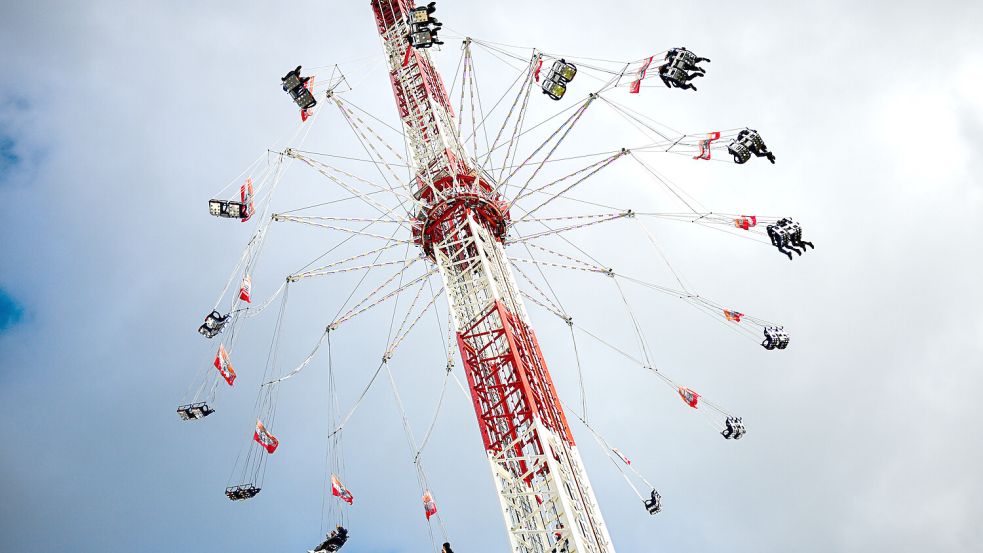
(11, 312)
(8, 158)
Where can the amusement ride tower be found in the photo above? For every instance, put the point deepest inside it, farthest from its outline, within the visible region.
(460, 223)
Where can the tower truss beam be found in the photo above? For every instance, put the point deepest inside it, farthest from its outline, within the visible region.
(546, 499)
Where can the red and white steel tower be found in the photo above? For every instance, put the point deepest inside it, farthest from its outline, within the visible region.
(460, 223)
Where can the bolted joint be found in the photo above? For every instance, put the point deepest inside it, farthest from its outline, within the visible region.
(609, 272)
(630, 214)
(569, 320)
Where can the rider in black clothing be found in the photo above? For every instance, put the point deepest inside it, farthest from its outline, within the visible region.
(779, 239)
(336, 539)
(686, 53)
(673, 76)
(755, 144)
(685, 60)
(654, 504)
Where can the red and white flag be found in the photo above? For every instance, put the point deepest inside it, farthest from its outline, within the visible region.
(621, 455)
(689, 396)
(224, 365)
(309, 85)
(340, 491)
(429, 505)
(246, 196)
(637, 83)
(746, 221)
(539, 68)
(734, 316)
(264, 438)
(246, 289)
(705, 145)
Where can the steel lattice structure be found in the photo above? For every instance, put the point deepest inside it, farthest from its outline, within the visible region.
(545, 494)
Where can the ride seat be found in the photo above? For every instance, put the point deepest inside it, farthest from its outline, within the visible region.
(241, 492)
(228, 209)
(740, 152)
(194, 411)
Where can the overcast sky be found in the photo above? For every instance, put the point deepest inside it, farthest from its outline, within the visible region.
(119, 120)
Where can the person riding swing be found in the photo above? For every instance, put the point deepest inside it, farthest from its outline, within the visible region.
(335, 540)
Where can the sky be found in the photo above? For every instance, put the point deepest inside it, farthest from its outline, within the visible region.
(118, 121)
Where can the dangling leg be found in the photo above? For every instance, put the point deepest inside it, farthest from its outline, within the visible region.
(758, 152)
(784, 251)
(692, 67)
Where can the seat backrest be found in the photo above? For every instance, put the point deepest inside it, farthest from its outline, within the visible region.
(292, 81)
(739, 150)
(675, 73)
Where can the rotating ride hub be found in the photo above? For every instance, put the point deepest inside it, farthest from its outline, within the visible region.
(449, 201)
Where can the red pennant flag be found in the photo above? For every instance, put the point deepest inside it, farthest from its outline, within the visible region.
(746, 221)
(538, 69)
(689, 396)
(340, 491)
(429, 505)
(246, 195)
(224, 365)
(733, 315)
(246, 289)
(622, 455)
(636, 85)
(264, 438)
(705, 145)
(406, 58)
(309, 85)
